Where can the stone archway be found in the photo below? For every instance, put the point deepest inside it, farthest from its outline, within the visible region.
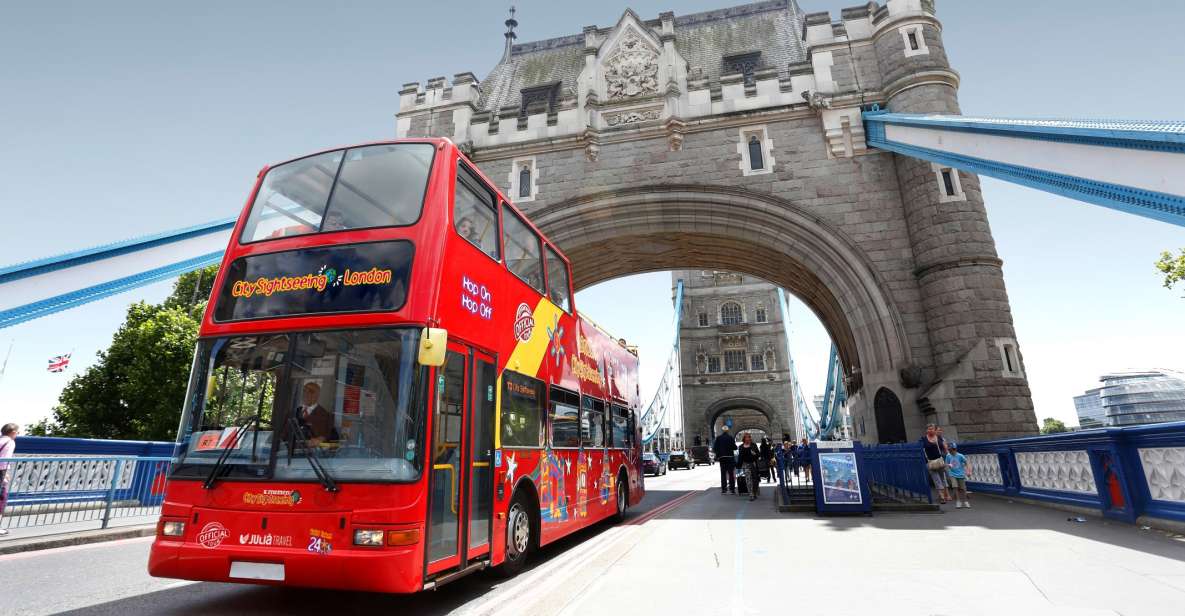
(773, 421)
(667, 227)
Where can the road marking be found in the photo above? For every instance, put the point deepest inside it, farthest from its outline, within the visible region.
(73, 548)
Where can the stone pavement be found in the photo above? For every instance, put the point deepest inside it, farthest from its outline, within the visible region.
(724, 555)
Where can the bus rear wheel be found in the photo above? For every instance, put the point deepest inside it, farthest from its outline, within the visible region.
(519, 535)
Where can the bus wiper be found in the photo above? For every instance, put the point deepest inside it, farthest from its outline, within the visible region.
(318, 469)
(230, 446)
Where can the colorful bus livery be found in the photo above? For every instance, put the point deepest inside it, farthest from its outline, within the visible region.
(392, 387)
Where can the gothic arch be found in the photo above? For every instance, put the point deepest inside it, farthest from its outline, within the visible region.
(890, 422)
(736, 403)
(667, 227)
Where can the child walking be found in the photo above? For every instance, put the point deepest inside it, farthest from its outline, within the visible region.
(956, 463)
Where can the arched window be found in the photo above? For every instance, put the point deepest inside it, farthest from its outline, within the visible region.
(756, 155)
(730, 314)
(524, 182)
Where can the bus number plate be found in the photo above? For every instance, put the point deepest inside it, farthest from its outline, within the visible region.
(257, 571)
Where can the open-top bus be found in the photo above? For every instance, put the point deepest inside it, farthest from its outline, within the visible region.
(392, 387)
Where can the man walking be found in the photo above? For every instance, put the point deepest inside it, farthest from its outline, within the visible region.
(7, 449)
(725, 448)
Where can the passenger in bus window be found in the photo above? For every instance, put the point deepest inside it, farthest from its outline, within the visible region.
(334, 221)
(316, 422)
(467, 230)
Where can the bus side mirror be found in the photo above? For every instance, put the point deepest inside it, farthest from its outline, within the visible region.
(433, 344)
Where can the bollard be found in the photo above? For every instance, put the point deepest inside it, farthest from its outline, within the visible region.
(115, 476)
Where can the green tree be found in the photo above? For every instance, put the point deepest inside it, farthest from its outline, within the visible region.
(136, 388)
(1053, 426)
(1172, 267)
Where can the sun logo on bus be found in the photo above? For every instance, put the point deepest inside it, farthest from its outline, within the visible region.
(555, 333)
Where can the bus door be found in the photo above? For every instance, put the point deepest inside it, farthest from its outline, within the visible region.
(462, 452)
(481, 454)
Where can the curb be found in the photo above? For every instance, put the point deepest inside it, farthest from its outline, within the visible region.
(33, 544)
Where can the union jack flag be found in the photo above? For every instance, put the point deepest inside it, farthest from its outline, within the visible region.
(59, 363)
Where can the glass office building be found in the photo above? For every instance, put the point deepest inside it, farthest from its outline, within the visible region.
(1134, 398)
(1090, 409)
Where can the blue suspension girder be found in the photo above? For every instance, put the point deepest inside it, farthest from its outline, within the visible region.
(46, 286)
(656, 412)
(1130, 166)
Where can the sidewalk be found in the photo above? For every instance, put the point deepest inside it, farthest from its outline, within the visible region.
(725, 555)
(26, 539)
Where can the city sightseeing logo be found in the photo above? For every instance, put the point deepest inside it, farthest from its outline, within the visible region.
(324, 278)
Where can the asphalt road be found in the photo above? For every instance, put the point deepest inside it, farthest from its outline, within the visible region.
(110, 578)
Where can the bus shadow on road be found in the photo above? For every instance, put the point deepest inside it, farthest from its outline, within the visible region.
(206, 598)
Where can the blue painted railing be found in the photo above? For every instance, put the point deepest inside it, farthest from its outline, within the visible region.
(897, 473)
(1125, 473)
(52, 490)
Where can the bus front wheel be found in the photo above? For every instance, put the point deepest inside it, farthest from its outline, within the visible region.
(519, 535)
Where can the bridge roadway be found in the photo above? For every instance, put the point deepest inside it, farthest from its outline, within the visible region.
(703, 553)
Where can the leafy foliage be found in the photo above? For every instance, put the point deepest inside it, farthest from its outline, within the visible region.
(1053, 426)
(1172, 267)
(136, 388)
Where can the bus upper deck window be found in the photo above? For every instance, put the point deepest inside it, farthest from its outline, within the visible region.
(523, 251)
(473, 213)
(291, 200)
(557, 280)
(380, 186)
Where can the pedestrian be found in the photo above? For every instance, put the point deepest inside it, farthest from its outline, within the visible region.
(804, 458)
(767, 456)
(725, 449)
(935, 461)
(748, 455)
(7, 449)
(785, 457)
(957, 463)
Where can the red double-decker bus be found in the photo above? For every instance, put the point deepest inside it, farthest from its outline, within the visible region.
(392, 386)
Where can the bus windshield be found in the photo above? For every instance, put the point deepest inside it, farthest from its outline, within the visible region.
(351, 399)
(359, 188)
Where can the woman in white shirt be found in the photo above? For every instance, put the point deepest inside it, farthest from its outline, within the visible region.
(7, 449)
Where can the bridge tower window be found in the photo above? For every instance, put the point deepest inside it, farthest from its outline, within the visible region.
(761, 316)
(703, 319)
(950, 188)
(756, 150)
(714, 364)
(731, 314)
(757, 362)
(524, 179)
(734, 361)
(915, 41)
(756, 157)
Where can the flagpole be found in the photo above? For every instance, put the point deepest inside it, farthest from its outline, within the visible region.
(4, 368)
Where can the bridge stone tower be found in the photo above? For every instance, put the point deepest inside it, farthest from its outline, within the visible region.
(732, 140)
(732, 355)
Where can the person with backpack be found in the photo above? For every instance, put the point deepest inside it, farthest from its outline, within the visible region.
(7, 449)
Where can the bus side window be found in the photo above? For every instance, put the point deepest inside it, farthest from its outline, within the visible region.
(557, 280)
(523, 251)
(474, 214)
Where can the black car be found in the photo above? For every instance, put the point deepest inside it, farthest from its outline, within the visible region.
(700, 454)
(680, 459)
(653, 465)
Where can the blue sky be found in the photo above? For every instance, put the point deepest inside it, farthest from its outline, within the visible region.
(125, 118)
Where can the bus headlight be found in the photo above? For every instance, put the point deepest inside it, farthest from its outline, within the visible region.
(172, 529)
(369, 538)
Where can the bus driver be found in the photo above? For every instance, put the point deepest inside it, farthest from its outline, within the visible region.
(316, 422)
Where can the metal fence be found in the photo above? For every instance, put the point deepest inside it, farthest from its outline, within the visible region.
(898, 474)
(58, 490)
(1125, 473)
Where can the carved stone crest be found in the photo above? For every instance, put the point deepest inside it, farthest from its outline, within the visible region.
(631, 70)
(816, 101)
(629, 117)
